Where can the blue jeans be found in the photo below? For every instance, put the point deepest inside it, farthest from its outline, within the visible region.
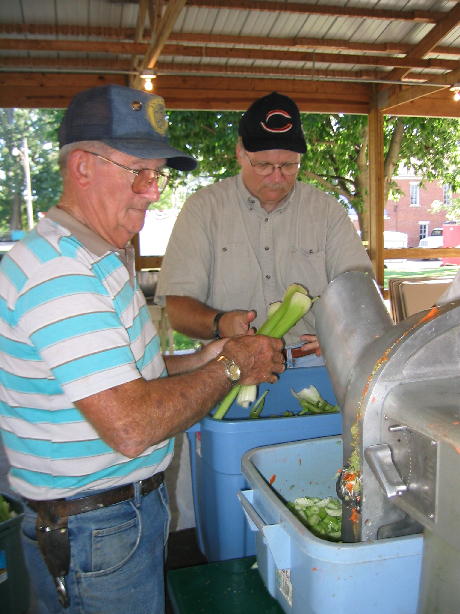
(117, 559)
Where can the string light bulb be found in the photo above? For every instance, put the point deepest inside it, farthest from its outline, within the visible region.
(148, 75)
(456, 90)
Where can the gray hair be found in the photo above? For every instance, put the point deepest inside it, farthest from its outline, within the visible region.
(96, 146)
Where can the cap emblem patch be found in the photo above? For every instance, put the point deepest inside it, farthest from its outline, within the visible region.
(156, 115)
(277, 113)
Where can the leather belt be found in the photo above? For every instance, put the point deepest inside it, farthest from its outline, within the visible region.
(298, 352)
(59, 508)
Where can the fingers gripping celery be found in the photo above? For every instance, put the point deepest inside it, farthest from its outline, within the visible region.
(294, 306)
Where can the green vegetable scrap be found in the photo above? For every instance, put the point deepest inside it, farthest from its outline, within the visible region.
(5, 512)
(322, 516)
(312, 402)
(258, 406)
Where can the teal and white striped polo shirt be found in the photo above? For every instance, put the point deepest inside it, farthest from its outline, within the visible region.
(73, 322)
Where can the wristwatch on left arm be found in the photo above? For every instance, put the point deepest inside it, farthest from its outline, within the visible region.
(231, 369)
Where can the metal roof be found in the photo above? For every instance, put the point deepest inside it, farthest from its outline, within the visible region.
(342, 55)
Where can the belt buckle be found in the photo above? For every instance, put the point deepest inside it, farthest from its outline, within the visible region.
(290, 360)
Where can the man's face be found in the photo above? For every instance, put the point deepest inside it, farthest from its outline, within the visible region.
(272, 188)
(117, 206)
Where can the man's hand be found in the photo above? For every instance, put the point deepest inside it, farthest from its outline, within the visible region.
(237, 322)
(259, 357)
(310, 344)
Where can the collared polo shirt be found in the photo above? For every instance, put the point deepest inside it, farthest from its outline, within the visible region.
(73, 322)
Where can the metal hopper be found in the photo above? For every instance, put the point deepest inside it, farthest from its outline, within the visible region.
(399, 389)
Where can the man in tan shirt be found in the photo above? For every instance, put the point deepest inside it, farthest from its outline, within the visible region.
(239, 243)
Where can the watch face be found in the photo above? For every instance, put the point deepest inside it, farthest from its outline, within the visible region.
(234, 371)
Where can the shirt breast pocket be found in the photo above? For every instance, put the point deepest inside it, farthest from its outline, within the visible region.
(235, 272)
(307, 268)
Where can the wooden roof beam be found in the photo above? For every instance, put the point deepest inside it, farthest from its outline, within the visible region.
(92, 65)
(436, 34)
(136, 48)
(164, 29)
(129, 34)
(389, 100)
(321, 9)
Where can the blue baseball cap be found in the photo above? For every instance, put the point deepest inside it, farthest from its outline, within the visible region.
(129, 120)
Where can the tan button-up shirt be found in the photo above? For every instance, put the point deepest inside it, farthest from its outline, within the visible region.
(228, 252)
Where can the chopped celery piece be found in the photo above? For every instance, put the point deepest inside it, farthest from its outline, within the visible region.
(322, 516)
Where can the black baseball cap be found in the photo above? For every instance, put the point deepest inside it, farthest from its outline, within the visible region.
(272, 122)
(129, 120)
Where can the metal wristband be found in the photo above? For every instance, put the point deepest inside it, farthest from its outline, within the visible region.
(215, 329)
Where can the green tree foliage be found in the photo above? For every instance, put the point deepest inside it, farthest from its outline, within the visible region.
(210, 137)
(452, 209)
(39, 127)
(336, 159)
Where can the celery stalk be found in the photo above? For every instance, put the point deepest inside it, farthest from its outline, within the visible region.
(294, 306)
(226, 402)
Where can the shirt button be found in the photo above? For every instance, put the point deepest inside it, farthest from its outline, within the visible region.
(267, 248)
(224, 249)
(266, 219)
(267, 276)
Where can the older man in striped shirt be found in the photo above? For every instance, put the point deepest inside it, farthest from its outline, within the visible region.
(88, 405)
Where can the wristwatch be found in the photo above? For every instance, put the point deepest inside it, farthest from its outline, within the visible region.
(215, 325)
(232, 370)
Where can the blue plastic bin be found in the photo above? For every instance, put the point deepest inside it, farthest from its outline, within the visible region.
(14, 579)
(308, 575)
(216, 449)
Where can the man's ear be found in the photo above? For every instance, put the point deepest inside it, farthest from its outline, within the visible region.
(80, 167)
(239, 152)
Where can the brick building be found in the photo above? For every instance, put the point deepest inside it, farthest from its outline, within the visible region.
(412, 214)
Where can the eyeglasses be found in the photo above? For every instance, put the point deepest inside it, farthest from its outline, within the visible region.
(266, 168)
(143, 177)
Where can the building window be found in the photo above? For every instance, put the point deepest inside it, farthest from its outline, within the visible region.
(415, 195)
(422, 230)
(447, 194)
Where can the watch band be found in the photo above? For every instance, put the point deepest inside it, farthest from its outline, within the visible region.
(215, 329)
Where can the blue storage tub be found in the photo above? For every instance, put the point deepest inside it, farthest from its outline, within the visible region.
(216, 449)
(308, 575)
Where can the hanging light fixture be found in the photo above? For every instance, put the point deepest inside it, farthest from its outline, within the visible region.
(456, 90)
(148, 75)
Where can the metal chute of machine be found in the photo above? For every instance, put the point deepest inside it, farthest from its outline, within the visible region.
(399, 389)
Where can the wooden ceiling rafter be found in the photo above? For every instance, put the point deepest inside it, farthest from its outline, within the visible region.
(434, 36)
(152, 44)
(129, 34)
(164, 28)
(321, 9)
(216, 51)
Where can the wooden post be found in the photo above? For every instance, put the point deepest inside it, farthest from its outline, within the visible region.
(376, 192)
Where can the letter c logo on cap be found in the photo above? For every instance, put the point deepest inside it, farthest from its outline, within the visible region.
(283, 128)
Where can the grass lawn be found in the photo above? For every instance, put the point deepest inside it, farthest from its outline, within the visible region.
(417, 268)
